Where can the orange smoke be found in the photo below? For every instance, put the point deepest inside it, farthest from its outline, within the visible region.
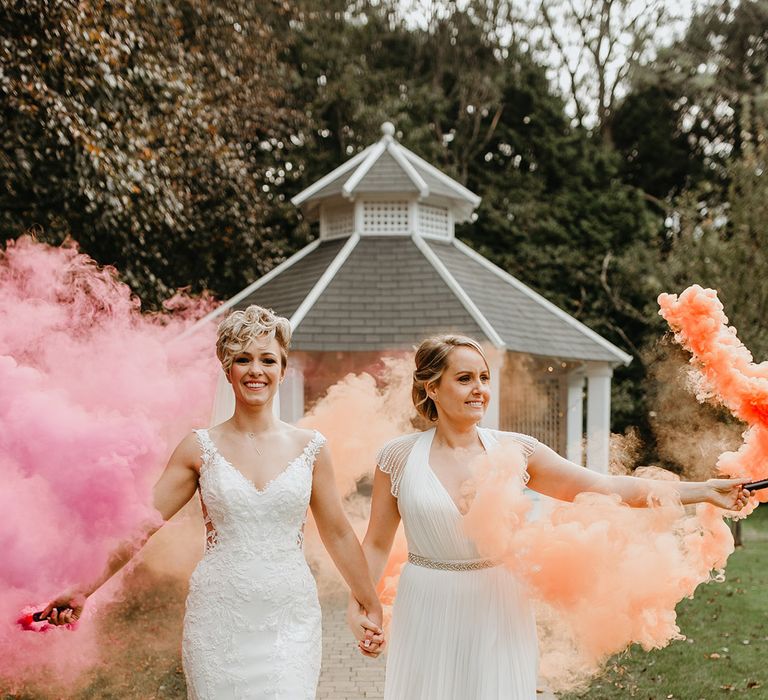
(602, 574)
(357, 416)
(387, 588)
(723, 370)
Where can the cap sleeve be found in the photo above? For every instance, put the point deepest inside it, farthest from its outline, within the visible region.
(393, 457)
(526, 443)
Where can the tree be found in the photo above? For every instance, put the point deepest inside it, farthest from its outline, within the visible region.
(594, 46)
(658, 156)
(725, 245)
(699, 102)
(363, 64)
(157, 135)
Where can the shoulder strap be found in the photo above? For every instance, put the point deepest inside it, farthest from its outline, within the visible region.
(314, 445)
(207, 448)
(393, 456)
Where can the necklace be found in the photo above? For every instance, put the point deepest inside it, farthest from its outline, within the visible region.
(253, 437)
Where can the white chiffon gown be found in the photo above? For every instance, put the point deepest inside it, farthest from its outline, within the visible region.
(252, 627)
(455, 634)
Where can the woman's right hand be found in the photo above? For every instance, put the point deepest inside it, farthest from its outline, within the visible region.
(728, 494)
(65, 608)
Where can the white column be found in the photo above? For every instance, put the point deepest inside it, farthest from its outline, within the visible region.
(574, 418)
(598, 416)
(496, 365)
(413, 217)
(358, 215)
(291, 395)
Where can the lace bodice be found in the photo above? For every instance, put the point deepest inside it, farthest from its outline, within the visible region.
(239, 515)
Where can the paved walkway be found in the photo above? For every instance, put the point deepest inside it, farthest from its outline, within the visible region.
(346, 674)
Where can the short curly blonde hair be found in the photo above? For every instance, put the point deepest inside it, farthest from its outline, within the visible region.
(431, 361)
(241, 327)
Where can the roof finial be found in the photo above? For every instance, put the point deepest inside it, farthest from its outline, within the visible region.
(388, 129)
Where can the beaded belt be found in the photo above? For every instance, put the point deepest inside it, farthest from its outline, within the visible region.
(468, 565)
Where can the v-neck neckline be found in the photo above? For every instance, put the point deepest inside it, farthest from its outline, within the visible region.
(260, 491)
(430, 440)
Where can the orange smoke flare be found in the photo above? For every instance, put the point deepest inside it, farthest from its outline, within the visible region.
(724, 370)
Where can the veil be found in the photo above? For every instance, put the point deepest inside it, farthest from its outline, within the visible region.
(223, 401)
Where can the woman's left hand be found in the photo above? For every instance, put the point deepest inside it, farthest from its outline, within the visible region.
(728, 494)
(369, 635)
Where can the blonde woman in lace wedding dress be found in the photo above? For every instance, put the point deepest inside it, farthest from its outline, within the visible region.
(252, 624)
(462, 627)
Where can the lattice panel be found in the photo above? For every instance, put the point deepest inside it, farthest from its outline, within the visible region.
(385, 217)
(339, 222)
(433, 221)
(537, 410)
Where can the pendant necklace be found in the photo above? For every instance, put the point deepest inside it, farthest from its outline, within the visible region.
(253, 438)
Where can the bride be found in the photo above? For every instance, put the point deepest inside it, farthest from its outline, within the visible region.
(462, 626)
(252, 622)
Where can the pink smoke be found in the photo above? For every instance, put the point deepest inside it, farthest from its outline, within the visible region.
(93, 395)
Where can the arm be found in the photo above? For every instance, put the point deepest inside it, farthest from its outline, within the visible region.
(382, 526)
(339, 538)
(176, 486)
(557, 477)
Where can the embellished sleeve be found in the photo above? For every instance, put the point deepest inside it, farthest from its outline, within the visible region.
(393, 457)
(526, 443)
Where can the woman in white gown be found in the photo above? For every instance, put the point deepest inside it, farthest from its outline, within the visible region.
(462, 627)
(252, 624)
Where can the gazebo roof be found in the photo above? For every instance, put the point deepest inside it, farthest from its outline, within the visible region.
(388, 293)
(387, 167)
(387, 270)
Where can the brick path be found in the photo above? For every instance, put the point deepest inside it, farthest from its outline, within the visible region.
(346, 674)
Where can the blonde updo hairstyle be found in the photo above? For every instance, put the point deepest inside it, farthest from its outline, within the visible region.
(431, 361)
(241, 327)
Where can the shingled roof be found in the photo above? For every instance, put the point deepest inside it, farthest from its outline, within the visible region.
(385, 167)
(389, 292)
(356, 289)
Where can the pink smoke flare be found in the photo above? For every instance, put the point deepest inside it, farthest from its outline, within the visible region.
(93, 395)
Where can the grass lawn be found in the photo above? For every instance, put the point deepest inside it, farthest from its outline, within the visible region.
(726, 625)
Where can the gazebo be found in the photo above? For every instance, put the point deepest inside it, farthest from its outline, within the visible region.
(387, 271)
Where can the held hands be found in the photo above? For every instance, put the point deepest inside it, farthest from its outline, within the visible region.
(65, 609)
(366, 627)
(728, 494)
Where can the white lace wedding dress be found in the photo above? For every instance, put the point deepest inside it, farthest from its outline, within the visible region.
(462, 629)
(252, 624)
